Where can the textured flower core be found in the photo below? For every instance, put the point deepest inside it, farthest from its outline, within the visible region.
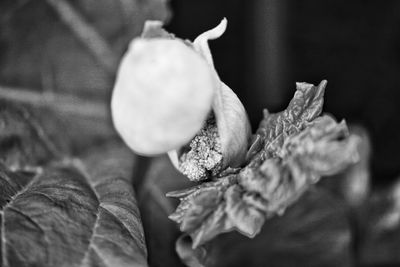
(205, 156)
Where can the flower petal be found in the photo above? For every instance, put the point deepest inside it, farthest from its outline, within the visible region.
(201, 42)
(232, 121)
(233, 126)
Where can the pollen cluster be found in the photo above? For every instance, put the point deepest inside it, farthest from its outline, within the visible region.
(205, 156)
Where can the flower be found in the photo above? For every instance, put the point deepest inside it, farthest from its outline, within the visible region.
(168, 97)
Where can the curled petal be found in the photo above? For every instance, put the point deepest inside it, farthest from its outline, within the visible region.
(201, 42)
(232, 124)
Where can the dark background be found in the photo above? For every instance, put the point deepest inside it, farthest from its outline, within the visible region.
(269, 45)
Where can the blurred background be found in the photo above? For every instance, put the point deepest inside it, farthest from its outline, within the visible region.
(57, 53)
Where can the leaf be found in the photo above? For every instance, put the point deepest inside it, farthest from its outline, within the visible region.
(297, 148)
(314, 232)
(305, 106)
(212, 226)
(212, 219)
(23, 141)
(325, 147)
(246, 218)
(269, 176)
(54, 212)
(200, 205)
(61, 218)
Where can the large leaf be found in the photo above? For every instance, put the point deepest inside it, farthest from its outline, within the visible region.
(57, 212)
(58, 216)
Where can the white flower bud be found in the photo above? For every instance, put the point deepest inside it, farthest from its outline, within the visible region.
(162, 95)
